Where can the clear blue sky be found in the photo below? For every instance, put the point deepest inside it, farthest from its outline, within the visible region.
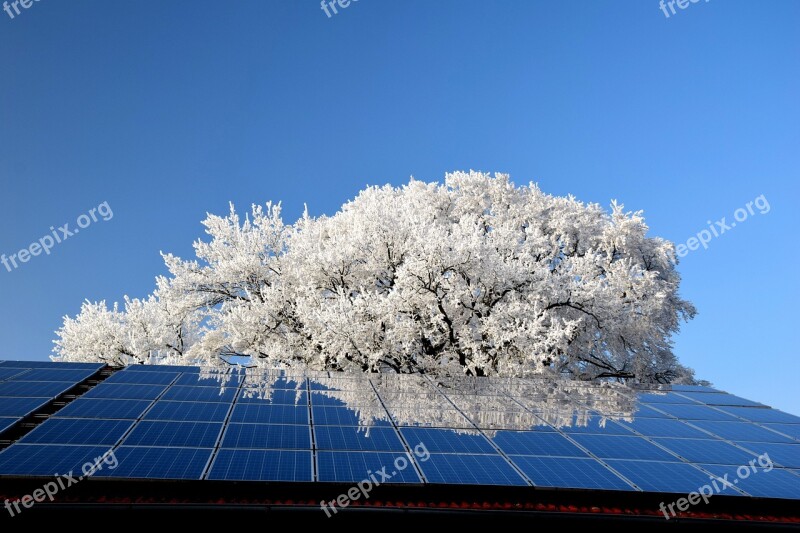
(168, 110)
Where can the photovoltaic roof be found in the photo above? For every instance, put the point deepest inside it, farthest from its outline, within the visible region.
(191, 423)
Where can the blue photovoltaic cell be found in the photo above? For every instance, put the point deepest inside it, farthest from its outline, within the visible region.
(278, 397)
(573, 473)
(775, 483)
(787, 455)
(262, 465)
(352, 467)
(275, 436)
(20, 406)
(470, 470)
(200, 394)
(705, 450)
(740, 431)
(792, 430)
(656, 476)
(357, 439)
(125, 392)
(47, 460)
(6, 373)
(615, 447)
(188, 411)
(158, 463)
(269, 414)
(6, 423)
(47, 374)
(665, 397)
(104, 408)
(156, 433)
(34, 388)
(694, 412)
(78, 431)
(536, 443)
(658, 427)
(50, 364)
(757, 414)
(204, 380)
(720, 398)
(448, 440)
(143, 378)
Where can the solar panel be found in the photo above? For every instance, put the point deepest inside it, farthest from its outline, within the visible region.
(464, 469)
(352, 467)
(354, 438)
(576, 473)
(262, 465)
(269, 414)
(188, 411)
(756, 414)
(34, 388)
(775, 483)
(692, 388)
(792, 430)
(740, 431)
(6, 423)
(51, 374)
(158, 463)
(272, 436)
(20, 407)
(47, 460)
(200, 394)
(694, 412)
(78, 431)
(163, 368)
(104, 408)
(706, 450)
(536, 443)
(278, 397)
(127, 392)
(343, 416)
(143, 378)
(157, 433)
(195, 379)
(665, 397)
(617, 447)
(448, 440)
(424, 417)
(654, 427)
(659, 476)
(787, 455)
(594, 427)
(6, 373)
(53, 365)
(720, 398)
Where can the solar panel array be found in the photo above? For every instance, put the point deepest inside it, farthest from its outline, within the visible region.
(279, 426)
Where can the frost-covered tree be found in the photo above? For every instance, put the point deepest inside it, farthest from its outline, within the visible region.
(474, 276)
